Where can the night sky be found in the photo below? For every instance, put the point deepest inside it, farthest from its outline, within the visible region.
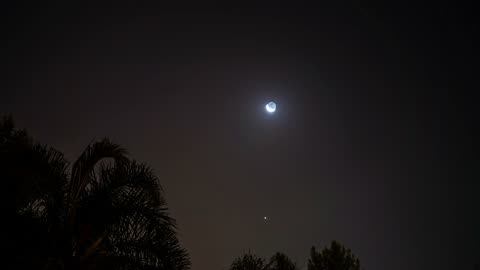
(374, 142)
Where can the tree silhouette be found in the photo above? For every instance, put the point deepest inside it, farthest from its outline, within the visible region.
(248, 261)
(103, 211)
(335, 257)
(280, 261)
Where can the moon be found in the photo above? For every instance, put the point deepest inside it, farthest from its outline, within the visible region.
(271, 107)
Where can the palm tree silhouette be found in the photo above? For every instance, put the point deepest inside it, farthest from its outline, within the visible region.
(103, 211)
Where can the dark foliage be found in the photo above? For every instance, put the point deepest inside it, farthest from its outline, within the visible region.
(335, 257)
(103, 211)
(250, 261)
(280, 261)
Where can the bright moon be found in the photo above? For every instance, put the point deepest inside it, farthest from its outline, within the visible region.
(271, 107)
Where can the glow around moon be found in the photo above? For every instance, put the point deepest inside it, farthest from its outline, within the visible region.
(271, 107)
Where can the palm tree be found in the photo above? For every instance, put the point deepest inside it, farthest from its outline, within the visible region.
(103, 211)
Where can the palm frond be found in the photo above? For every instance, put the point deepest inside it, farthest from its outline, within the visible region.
(127, 205)
(103, 215)
(44, 175)
(85, 165)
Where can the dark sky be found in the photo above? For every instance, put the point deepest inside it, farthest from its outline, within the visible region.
(374, 142)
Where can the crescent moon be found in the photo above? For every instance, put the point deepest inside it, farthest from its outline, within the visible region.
(271, 107)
